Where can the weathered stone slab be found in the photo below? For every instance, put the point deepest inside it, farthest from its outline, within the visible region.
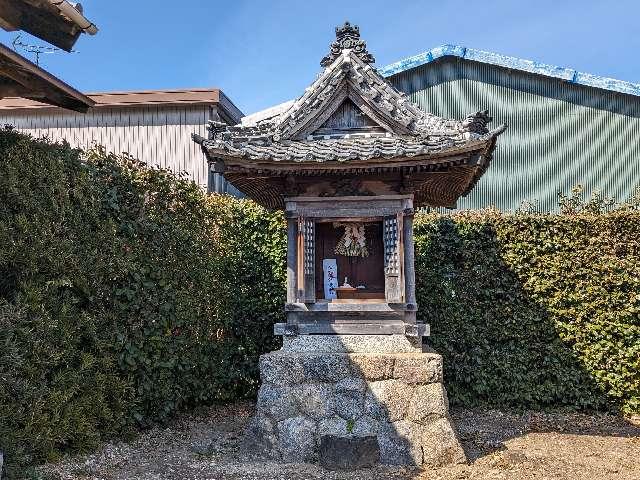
(297, 440)
(280, 369)
(366, 426)
(440, 445)
(394, 449)
(261, 436)
(373, 367)
(406, 433)
(349, 404)
(348, 453)
(315, 400)
(351, 384)
(320, 367)
(429, 402)
(422, 368)
(388, 400)
(332, 426)
(351, 344)
(278, 402)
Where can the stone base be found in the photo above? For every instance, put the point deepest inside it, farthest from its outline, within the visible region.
(318, 386)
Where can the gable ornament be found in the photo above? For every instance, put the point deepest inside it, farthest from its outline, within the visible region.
(347, 37)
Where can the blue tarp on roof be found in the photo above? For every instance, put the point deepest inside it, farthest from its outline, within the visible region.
(567, 74)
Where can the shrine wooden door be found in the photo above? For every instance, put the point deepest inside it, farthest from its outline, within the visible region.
(306, 261)
(393, 259)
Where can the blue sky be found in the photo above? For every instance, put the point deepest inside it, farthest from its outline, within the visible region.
(261, 53)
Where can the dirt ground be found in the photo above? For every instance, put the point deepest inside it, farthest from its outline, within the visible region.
(499, 446)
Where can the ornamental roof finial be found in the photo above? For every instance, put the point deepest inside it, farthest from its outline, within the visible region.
(347, 36)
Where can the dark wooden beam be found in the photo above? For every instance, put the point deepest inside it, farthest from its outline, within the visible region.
(38, 84)
(9, 88)
(42, 20)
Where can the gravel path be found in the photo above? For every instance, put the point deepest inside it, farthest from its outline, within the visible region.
(499, 446)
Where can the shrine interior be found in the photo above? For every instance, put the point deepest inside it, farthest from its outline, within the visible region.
(367, 272)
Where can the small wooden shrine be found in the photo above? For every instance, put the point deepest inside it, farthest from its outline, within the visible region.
(349, 161)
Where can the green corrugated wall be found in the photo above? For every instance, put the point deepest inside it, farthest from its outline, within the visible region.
(560, 134)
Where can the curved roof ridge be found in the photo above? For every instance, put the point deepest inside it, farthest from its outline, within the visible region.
(567, 74)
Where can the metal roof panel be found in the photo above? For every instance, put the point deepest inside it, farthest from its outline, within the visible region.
(490, 58)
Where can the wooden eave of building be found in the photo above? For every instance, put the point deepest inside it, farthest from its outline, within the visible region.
(21, 78)
(436, 178)
(105, 100)
(436, 181)
(41, 19)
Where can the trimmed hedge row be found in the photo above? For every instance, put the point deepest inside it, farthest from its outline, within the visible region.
(126, 294)
(534, 311)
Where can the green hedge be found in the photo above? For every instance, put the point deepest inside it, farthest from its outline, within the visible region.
(534, 311)
(126, 294)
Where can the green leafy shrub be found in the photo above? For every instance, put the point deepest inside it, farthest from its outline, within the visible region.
(534, 311)
(126, 294)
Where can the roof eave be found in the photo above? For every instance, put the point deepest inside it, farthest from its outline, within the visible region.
(224, 154)
(32, 82)
(56, 22)
(163, 98)
(486, 157)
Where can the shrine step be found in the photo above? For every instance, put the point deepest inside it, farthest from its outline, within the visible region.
(350, 306)
(352, 328)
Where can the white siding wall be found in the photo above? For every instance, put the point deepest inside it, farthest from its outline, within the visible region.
(158, 135)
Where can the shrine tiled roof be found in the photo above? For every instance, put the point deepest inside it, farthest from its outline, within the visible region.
(346, 148)
(351, 126)
(396, 128)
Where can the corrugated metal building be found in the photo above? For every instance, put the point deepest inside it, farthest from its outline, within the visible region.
(153, 126)
(565, 127)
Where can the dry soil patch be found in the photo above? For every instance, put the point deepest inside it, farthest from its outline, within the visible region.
(499, 446)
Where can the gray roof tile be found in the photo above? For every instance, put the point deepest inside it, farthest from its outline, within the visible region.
(288, 135)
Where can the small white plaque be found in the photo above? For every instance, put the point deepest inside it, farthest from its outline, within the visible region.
(330, 270)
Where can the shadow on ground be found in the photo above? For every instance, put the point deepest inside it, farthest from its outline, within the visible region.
(484, 432)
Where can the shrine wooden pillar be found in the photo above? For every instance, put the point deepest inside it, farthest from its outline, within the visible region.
(292, 260)
(409, 266)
